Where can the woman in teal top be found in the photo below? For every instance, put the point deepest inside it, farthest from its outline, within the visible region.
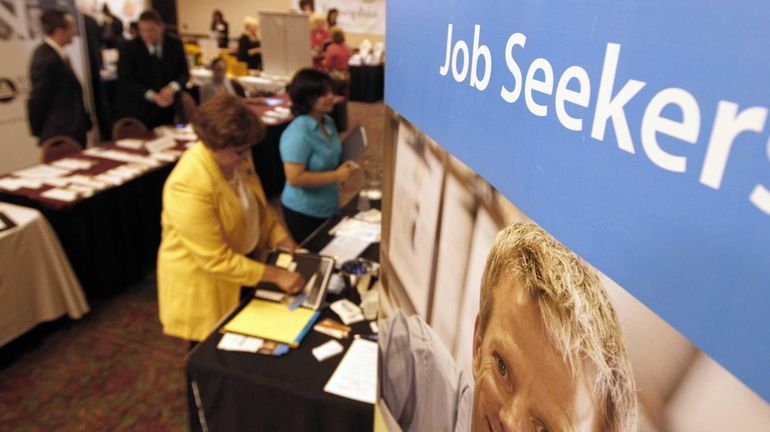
(311, 151)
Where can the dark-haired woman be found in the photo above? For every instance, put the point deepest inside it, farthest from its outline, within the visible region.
(220, 28)
(214, 215)
(311, 150)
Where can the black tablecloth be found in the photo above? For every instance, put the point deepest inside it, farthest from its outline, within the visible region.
(112, 238)
(367, 83)
(253, 392)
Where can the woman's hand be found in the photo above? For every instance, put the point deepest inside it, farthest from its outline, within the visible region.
(345, 170)
(287, 244)
(288, 282)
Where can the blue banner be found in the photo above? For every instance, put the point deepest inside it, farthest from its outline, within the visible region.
(636, 132)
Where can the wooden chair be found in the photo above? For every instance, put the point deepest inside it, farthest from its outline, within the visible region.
(189, 108)
(129, 127)
(58, 147)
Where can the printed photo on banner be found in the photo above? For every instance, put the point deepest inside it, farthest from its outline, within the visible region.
(505, 327)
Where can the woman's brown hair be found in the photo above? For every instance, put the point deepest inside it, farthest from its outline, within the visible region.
(225, 121)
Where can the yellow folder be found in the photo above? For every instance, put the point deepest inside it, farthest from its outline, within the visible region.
(273, 321)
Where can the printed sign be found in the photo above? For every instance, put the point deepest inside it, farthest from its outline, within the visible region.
(634, 132)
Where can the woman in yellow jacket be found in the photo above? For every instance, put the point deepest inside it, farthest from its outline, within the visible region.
(214, 215)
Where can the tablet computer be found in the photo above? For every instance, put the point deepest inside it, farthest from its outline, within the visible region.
(355, 144)
(315, 269)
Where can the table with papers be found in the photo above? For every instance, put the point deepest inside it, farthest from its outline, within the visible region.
(104, 204)
(239, 390)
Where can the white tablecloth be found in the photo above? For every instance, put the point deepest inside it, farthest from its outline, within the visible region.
(36, 281)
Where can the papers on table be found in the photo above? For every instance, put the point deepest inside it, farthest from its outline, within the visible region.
(356, 376)
(133, 144)
(274, 321)
(236, 342)
(276, 115)
(73, 164)
(160, 144)
(348, 311)
(10, 184)
(353, 227)
(59, 194)
(121, 156)
(326, 350)
(345, 248)
(41, 172)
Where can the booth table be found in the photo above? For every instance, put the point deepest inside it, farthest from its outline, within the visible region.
(367, 83)
(112, 237)
(37, 283)
(253, 392)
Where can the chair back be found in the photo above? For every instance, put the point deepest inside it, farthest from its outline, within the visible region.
(58, 147)
(129, 127)
(189, 108)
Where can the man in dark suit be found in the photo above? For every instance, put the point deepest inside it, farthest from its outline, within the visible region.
(55, 105)
(152, 70)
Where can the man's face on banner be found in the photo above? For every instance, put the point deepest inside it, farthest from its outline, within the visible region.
(522, 382)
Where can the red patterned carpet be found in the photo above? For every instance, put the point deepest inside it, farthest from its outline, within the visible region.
(112, 370)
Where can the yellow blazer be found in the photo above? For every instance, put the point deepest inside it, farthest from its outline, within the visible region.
(201, 261)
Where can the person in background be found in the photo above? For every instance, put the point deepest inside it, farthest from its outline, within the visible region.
(55, 105)
(306, 6)
(311, 150)
(101, 107)
(220, 83)
(152, 70)
(215, 215)
(220, 28)
(318, 38)
(133, 30)
(336, 60)
(249, 47)
(112, 28)
(331, 17)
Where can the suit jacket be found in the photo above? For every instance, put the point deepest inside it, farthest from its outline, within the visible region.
(55, 105)
(138, 71)
(201, 260)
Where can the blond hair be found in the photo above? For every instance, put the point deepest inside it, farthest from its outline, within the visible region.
(576, 311)
(316, 19)
(336, 34)
(250, 21)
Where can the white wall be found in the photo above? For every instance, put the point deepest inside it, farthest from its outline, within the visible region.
(195, 16)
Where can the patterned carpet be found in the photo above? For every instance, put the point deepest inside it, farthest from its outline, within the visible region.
(114, 369)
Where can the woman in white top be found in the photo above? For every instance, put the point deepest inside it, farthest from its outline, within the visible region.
(220, 83)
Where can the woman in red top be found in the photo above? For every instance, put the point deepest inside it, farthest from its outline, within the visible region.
(336, 61)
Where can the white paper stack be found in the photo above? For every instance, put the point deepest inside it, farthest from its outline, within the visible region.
(348, 311)
(345, 248)
(353, 227)
(41, 172)
(133, 144)
(73, 164)
(236, 342)
(356, 376)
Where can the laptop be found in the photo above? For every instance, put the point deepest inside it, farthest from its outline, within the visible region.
(355, 144)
